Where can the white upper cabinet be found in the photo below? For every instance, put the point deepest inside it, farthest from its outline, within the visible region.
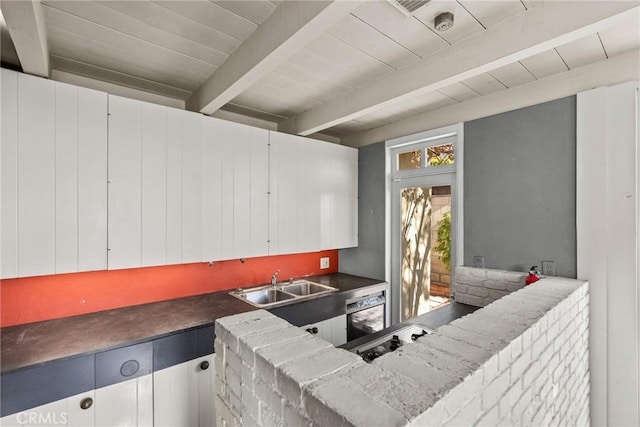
(155, 185)
(54, 177)
(314, 194)
(184, 187)
(343, 181)
(92, 181)
(235, 190)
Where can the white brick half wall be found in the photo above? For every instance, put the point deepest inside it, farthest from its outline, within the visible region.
(522, 360)
(482, 286)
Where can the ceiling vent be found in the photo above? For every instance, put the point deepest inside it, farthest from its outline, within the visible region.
(408, 7)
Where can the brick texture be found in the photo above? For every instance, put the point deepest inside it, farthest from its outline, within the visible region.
(521, 360)
(481, 286)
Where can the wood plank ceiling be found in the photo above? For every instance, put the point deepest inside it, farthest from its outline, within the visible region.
(170, 48)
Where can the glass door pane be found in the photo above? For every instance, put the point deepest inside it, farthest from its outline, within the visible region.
(425, 249)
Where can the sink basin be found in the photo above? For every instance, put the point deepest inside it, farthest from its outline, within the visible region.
(306, 288)
(266, 296)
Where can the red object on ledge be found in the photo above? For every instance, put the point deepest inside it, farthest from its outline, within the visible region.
(533, 276)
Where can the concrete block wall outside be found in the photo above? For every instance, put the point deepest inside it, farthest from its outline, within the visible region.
(521, 360)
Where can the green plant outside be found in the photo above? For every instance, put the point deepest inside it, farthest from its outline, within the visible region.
(443, 243)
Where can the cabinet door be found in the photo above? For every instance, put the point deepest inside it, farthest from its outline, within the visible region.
(174, 186)
(81, 179)
(235, 190)
(183, 394)
(9, 172)
(54, 177)
(36, 176)
(155, 190)
(245, 182)
(344, 205)
(287, 187)
(64, 412)
(129, 403)
(175, 396)
(212, 190)
(125, 183)
(153, 206)
(338, 326)
(191, 187)
(206, 389)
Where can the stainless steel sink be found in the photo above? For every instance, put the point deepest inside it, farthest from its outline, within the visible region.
(270, 296)
(267, 296)
(305, 288)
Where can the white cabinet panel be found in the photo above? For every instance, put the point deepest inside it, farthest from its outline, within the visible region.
(206, 390)
(129, 403)
(36, 176)
(154, 185)
(125, 183)
(239, 154)
(332, 330)
(338, 330)
(287, 161)
(54, 177)
(174, 390)
(191, 187)
(228, 153)
(344, 208)
(174, 186)
(313, 202)
(66, 191)
(76, 416)
(81, 179)
(61, 413)
(92, 179)
(259, 201)
(155, 175)
(9, 172)
(183, 394)
(212, 189)
(241, 191)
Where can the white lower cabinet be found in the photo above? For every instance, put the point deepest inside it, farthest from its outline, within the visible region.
(183, 394)
(64, 412)
(129, 403)
(332, 330)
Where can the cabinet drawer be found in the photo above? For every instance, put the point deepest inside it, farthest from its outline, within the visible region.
(123, 364)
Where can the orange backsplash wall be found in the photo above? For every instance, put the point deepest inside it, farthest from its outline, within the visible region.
(32, 299)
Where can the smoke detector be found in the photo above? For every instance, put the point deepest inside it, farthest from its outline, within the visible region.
(408, 7)
(444, 21)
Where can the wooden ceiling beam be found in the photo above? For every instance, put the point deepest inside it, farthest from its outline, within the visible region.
(618, 69)
(25, 21)
(292, 26)
(531, 32)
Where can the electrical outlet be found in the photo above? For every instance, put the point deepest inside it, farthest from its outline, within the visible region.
(548, 268)
(478, 261)
(324, 262)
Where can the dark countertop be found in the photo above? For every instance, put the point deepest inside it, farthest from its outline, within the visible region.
(41, 342)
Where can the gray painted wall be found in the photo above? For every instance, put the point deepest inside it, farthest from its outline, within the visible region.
(520, 188)
(367, 259)
(519, 195)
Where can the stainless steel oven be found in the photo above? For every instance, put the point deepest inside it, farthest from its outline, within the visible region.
(366, 314)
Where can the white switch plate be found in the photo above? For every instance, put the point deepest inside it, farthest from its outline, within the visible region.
(478, 261)
(324, 262)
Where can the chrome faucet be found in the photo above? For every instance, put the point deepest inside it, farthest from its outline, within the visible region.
(274, 279)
